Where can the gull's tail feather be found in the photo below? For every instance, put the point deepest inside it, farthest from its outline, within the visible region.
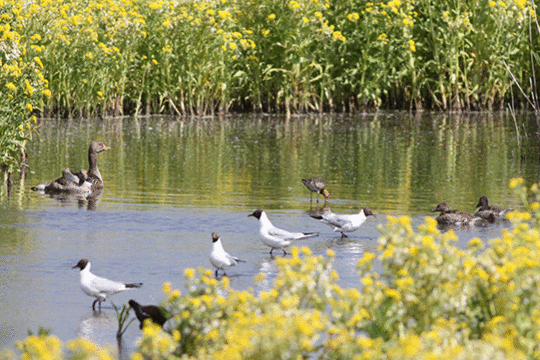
(40, 187)
(316, 216)
(134, 285)
(310, 235)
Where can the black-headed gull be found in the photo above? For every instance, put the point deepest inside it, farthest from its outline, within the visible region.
(99, 287)
(316, 185)
(221, 259)
(152, 312)
(344, 222)
(274, 237)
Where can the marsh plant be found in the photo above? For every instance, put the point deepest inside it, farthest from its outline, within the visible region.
(432, 299)
(201, 57)
(122, 316)
(22, 88)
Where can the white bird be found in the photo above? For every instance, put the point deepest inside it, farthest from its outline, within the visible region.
(221, 259)
(99, 287)
(344, 222)
(277, 238)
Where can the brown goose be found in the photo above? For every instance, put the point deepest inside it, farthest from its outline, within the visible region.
(81, 182)
(316, 185)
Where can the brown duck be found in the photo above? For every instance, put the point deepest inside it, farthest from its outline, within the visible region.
(456, 217)
(487, 211)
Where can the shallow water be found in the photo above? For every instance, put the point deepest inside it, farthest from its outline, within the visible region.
(171, 182)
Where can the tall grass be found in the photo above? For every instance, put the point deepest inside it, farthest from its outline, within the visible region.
(201, 57)
(22, 88)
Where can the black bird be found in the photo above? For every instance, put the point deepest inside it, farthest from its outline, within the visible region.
(143, 312)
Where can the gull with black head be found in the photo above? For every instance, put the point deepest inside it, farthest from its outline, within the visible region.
(219, 258)
(277, 238)
(344, 222)
(99, 287)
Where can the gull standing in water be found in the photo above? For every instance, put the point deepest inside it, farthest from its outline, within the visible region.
(277, 238)
(99, 287)
(219, 258)
(344, 222)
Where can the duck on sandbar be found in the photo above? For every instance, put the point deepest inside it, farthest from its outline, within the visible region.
(83, 182)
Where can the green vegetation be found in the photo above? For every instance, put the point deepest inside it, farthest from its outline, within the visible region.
(122, 315)
(191, 57)
(22, 88)
(432, 300)
(113, 57)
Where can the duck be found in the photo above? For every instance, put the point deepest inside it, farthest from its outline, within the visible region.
(219, 258)
(456, 217)
(317, 185)
(274, 237)
(82, 182)
(487, 211)
(344, 222)
(152, 312)
(99, 287)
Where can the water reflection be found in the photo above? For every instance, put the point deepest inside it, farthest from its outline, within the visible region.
(83, 201)
(97, 326)
(100, 327)
(387, 161)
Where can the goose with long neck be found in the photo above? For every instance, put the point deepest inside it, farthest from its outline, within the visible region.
(94, 176)
(82, 182)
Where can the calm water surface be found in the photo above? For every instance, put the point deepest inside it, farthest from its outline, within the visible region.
(169, 183)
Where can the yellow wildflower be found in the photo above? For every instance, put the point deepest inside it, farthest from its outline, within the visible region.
(189, 273)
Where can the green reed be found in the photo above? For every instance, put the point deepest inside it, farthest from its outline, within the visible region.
(132, 56)
(22, 88)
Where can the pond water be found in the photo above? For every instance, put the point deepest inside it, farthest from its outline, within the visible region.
(169, 183)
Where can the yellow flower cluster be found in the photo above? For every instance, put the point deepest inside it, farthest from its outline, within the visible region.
(22, 84)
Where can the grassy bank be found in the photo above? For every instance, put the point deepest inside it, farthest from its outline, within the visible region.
(194, 57)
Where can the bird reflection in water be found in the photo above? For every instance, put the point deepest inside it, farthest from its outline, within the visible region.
(90, 202)
(100, 327)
